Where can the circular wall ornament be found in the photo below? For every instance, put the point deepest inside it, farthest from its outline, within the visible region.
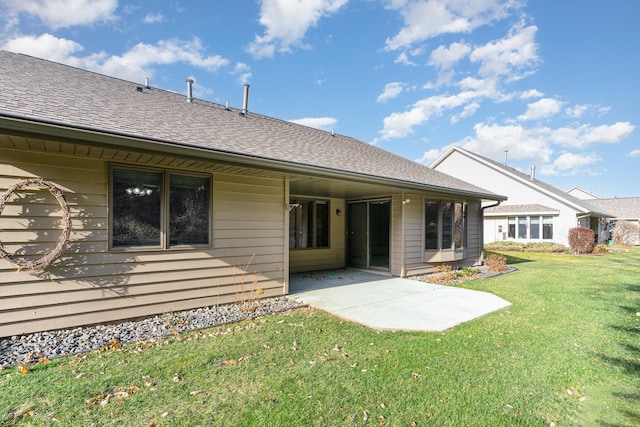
(46, 260)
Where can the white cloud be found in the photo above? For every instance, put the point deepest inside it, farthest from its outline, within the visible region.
(154, 18)
(44, 46)
(510, 55)
(424, 19)
(403, 58)
(286, 22)
(430, 156)
(532, 93)
(570, 164)
(140, 59)
(585, 134)
(243, 71)
(134, 65)
(634, 153)
(608, 134)
(445, 57)
(577, 111)
(536, 144)
(468, 111)
(63, 13)
(399, 125)
(491, 140)
(391, 90)
(322, 123)
(543, 108)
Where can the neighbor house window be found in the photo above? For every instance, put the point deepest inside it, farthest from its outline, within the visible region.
(534, 227)
(528, 227)
(547, 227)
(522, 227)
(309, 224)
(153, 208)
(445, 225)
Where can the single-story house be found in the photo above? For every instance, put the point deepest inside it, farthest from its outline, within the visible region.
(621, 209)
(121, 200)
(534, 212)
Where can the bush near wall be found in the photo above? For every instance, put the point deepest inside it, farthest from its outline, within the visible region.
(581, 240)
(511, 246)
(626, 233)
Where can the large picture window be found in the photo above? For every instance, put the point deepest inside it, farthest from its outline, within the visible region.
(445, 225)
(309, 224)
(159, 209)
(528, 227)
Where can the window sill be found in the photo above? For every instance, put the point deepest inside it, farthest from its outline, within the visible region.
(119, 249)
(310, 249)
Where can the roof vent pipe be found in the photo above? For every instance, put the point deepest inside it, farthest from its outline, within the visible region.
(506, 153)
(146, 82)
(245, 100)
(533, 172)
(189, 90)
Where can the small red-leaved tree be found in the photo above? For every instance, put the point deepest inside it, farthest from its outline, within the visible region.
(626, 233)
(581, 240)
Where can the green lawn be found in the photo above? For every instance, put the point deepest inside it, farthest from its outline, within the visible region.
(566, 353)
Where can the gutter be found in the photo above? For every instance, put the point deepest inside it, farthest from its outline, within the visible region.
(491, 206)
(30, 126)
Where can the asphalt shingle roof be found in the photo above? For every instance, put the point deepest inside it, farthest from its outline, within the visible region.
(41, 90)
(624, 207)
(507, 209)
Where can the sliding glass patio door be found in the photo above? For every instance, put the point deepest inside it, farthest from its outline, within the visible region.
(368, 231)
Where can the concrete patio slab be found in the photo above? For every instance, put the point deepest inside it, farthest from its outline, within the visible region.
(391, 303)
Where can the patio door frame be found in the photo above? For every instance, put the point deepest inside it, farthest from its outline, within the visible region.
(363, 244)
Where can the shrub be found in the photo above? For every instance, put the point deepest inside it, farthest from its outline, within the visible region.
(443, 274)
(600, 249)
(468, 273)
(505, 246)
(548, 247)
(496, 263)
(581, 240)
(626, 233)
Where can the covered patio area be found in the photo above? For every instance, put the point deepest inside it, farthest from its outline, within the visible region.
(385, 302)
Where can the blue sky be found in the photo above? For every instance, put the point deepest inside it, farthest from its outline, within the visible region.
(553, 82)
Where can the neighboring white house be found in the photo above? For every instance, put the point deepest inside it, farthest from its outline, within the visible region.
(534, 211)
(582, 194)
(621, 209)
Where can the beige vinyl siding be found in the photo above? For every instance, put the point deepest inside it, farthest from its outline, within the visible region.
(414, 236)
(413, 229)
(90, 283)
(301, 260)
(397, 236)
(474, 244)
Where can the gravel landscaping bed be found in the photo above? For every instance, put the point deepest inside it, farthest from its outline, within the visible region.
(451, 278)
(52, 344)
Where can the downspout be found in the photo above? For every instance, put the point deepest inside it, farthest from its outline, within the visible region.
(482, 227)
(580, 217)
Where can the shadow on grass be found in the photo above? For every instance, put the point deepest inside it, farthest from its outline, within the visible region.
(634, 288)
(511, 258)
(629, 361)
